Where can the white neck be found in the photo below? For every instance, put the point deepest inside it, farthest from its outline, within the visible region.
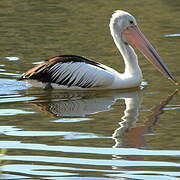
(130, 59)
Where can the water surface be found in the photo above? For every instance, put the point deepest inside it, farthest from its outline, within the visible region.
(92, 135)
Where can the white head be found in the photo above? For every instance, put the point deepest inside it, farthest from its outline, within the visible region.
(121, 20)
(125, 31)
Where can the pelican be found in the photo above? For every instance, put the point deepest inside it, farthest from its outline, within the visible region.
(77, 72)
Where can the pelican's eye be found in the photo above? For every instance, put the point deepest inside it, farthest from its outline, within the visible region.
(131, 22)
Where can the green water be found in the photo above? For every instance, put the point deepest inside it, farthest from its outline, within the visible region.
(89, 135)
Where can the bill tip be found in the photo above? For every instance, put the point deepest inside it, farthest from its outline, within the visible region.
(174, 80)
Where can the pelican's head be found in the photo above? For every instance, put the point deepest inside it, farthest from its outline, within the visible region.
(121, 20)
(124, 27)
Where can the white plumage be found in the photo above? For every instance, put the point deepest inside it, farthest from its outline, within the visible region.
(80, 74)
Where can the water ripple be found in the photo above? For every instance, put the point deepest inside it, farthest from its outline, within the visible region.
(70, 120)
(66, 135)
(12, 58)
(90, 150)
(172, 35)
(11, 112)
(35, 170)
(146, 177)
(86, 161)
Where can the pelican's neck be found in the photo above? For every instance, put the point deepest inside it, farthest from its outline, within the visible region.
(127, 52)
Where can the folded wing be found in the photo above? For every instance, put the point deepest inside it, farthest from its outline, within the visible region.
(71, 73)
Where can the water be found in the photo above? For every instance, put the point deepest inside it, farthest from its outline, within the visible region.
(87, 135)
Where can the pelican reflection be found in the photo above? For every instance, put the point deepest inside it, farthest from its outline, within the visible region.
(133, 136)
(80, 104)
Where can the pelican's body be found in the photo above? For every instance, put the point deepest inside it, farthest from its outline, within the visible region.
(76, 72)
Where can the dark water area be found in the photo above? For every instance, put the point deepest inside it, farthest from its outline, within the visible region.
(93, 135)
